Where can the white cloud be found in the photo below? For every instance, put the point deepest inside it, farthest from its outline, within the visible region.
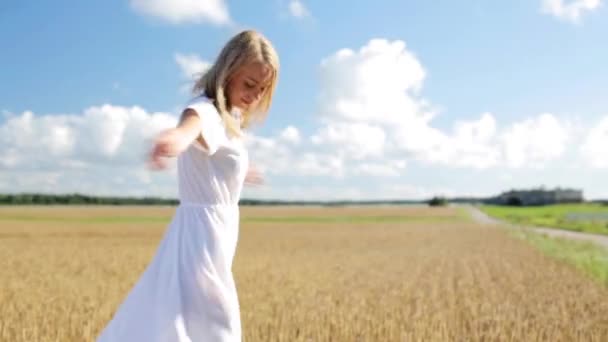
(471, 144)
(371, 107)
(380, 169)
(595, 146)
(273, 157)
(85, 152)
(291, 134)
(322, 156)
(372, 121)
(181, 11)
(373, 127)
(356, 140)
(297, 9)
(191, 65)
(374, 84)
(569, 10)
(535, 141)
(317, 164)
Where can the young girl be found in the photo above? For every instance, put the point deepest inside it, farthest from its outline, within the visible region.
(187, 292)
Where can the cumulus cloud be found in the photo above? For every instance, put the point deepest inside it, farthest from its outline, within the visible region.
(371, 107)
(355, 139)
(275, 157)
(101, 147)
(391, 168)
(535, 140)
(372, 123)
(182, 11)
(594, 149)
(375, 84)
(571, 10)
(470, 144)
(291, 134)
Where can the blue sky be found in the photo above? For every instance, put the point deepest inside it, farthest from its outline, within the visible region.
(533, 69)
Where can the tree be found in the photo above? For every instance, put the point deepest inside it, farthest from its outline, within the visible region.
(438, 201)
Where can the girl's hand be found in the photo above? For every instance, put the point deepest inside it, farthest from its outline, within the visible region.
(253, 177)
(167, 144)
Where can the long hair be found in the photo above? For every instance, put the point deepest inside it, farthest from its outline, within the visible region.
(246, 47)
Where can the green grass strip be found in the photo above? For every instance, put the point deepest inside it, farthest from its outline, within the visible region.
(590, 218)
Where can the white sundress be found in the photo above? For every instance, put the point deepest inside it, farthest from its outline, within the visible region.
(187, 292)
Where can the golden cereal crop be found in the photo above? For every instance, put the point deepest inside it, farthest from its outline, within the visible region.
(423, 274)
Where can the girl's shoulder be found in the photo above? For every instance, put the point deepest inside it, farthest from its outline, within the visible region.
(203, 106)
(201, 100)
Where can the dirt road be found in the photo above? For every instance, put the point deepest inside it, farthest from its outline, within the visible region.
(483, 218)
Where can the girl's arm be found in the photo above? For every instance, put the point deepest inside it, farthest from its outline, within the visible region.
(174, 141)
(254, 176)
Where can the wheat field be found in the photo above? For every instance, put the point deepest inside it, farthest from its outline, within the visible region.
(304, 274)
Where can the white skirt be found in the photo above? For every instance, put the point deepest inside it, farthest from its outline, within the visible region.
(187, 292)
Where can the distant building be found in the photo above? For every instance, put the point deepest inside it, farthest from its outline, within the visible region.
(538, 197)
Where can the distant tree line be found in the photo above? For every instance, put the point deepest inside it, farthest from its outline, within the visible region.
(78, 199)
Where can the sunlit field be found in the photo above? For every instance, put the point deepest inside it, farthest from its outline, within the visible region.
(305, 274)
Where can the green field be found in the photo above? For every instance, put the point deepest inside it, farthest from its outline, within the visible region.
(590, 218)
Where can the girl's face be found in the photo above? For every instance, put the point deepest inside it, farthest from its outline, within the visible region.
(248, 85)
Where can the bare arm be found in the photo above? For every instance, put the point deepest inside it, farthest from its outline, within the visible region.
(174, 141)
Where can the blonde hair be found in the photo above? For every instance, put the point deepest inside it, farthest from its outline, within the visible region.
(246, 47)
